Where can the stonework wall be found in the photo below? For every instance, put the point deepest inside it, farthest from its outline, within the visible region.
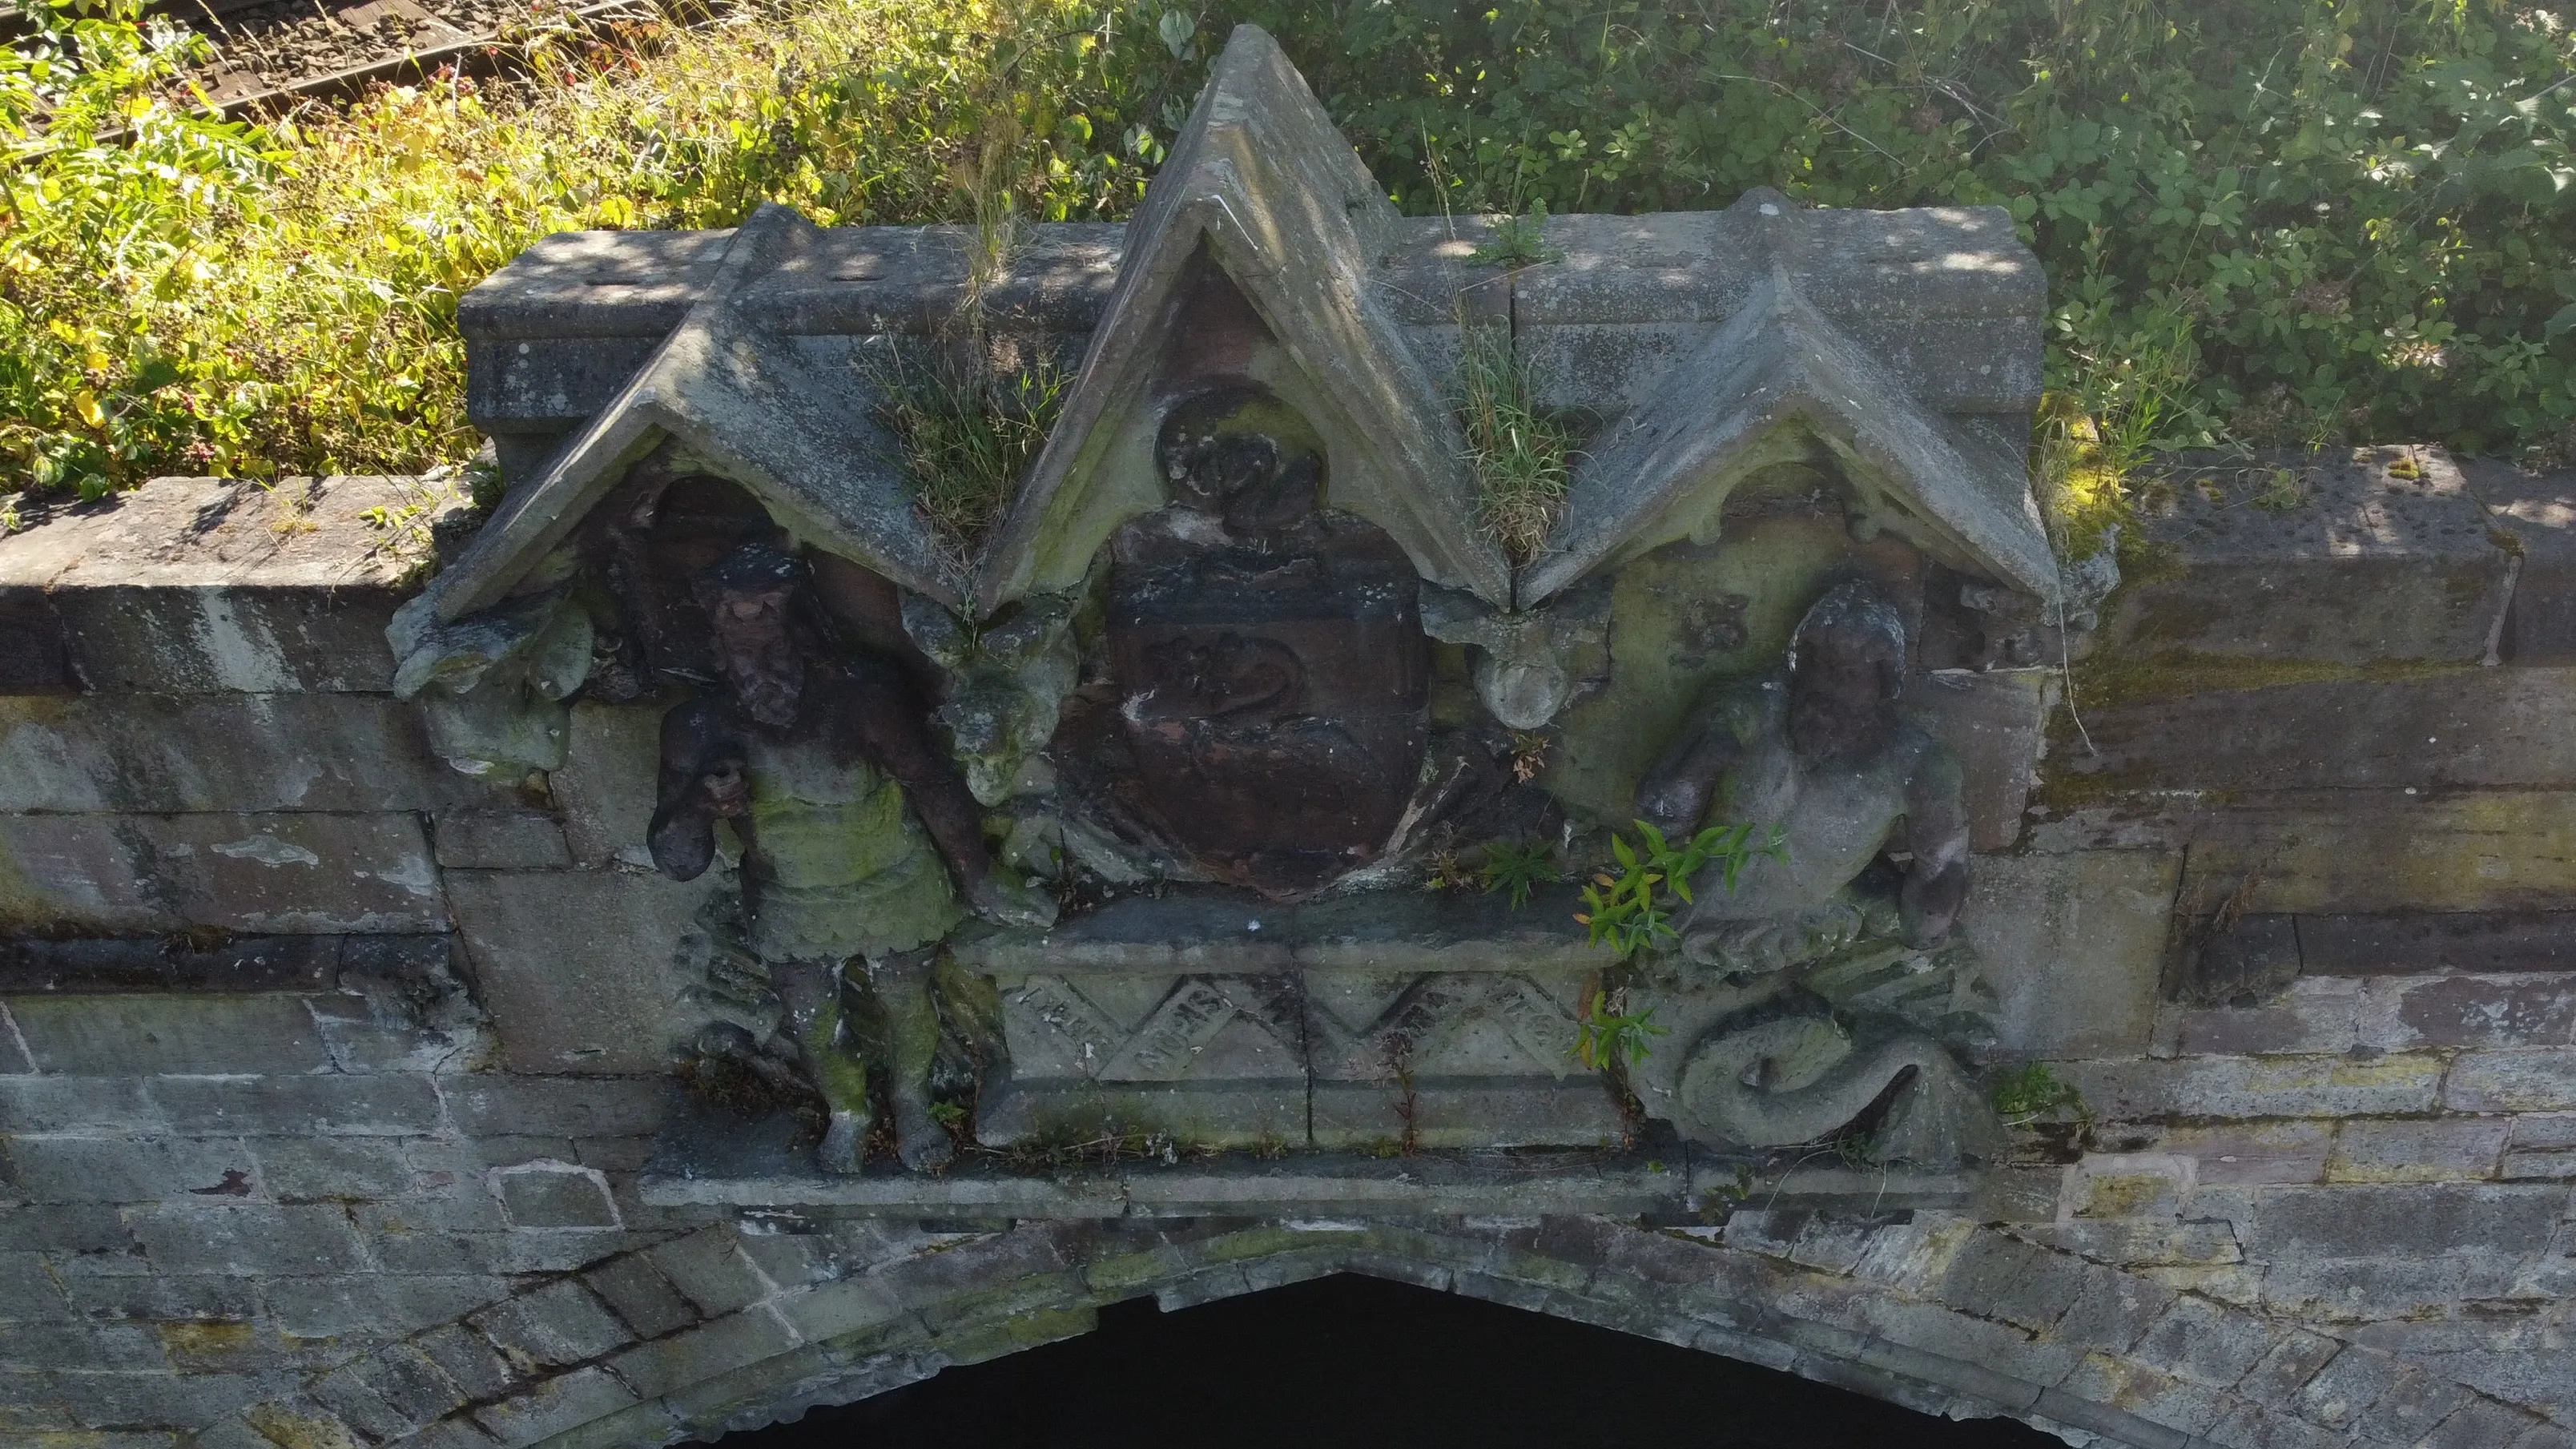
(326, 1071)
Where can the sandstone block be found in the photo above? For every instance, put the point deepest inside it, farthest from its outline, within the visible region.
(2315, 1016)
(2539, 513)
(2484, 1010)
(2259, 1086)
(1993, 723)
(551, 1194)
(578, 967)
(176, 754)
(2472, 941)
(298, 873)
(553, 1406)
(2428, 1151)
(2380, 852)
(606, 785)
(2531, 1080)
(255, 1241)
(157, 964)
(2469, 728)
(701, 1353)
(212, 585)
(495, 1104)
(160, 1035)
(560, 1323)
(85, 1169)
(2073, 946)
(404, 1105)
(2373, 567)
(501, 839)
(641, 1296)
(710, 1272)
(2198, 1340)
(333, 1168)
(2402, 1222)
(53, 1103)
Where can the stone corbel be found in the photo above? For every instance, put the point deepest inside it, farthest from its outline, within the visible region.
(1527, 666)
(492, 686)
(1012, 678)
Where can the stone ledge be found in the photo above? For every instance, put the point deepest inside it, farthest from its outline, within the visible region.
(707, 1157)
(1195, 929)
(118, 965)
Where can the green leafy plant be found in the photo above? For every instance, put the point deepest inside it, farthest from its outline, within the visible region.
(1517, 869)
(1630, 912)
(1521, 457)
(1605, 1039)
(1518, 241)
(2027, 1094)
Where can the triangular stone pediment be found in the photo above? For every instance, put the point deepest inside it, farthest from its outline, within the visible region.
(1261, 189)
(800, 436)
(1776, 375)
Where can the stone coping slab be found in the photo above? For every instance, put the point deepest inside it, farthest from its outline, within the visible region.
(707, 1156)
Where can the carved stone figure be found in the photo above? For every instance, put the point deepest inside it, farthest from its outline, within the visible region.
(858, 839)
(1870, 811)
(1270, 664)
(1822, 753)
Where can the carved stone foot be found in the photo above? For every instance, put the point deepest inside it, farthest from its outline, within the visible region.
(844, 1142)
(924, 1145)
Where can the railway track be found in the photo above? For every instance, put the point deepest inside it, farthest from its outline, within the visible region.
(245, 93)
(272, 55)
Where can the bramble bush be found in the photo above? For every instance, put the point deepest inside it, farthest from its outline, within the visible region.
(2267, 223)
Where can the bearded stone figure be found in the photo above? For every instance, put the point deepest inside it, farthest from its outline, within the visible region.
(861, 847)
(1872, 876)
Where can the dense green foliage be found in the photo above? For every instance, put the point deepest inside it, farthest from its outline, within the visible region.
(2285, 221)
(2266, 221)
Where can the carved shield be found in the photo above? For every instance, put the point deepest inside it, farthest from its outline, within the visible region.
(1273, 692)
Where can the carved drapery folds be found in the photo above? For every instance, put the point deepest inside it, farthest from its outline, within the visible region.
(1240, 789)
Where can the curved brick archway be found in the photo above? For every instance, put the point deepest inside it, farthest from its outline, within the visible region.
(740, 1326)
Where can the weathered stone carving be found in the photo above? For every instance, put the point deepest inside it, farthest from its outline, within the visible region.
(1821, 752)
(858, 836)
(1239, 674)
(492, 685)
(1268, 667)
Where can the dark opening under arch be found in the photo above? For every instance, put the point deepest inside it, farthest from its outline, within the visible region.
(1362, 1362)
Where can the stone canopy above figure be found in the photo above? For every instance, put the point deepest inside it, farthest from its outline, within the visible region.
(1169, 801)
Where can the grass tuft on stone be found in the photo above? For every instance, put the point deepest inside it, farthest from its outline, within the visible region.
(1521, 457)
(968, 439)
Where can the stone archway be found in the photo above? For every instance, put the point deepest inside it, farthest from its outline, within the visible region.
(1350, 1357)
(738, 1326)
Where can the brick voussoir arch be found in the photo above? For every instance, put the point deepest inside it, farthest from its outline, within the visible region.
(694, 1337)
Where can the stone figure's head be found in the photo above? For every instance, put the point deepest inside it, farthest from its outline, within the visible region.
(1846, 671)
(750, 596)
(1239, 452)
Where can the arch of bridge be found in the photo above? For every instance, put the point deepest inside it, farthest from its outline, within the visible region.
(741, 1325)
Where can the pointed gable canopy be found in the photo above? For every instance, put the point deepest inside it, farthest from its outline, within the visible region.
(801, 437)
(1262, 185)
(1779, 367)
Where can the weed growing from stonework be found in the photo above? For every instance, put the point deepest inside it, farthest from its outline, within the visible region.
(1518, 242)
(2027, 1094)
(1521, 457)
(1606, 1038)
(1516, 869)
(967, 440)
(1631, 911)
